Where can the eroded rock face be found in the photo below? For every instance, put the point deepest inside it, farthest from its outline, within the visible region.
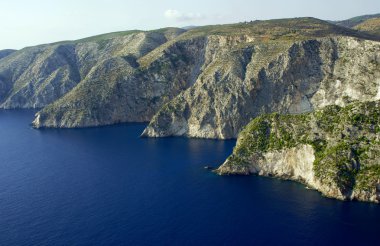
(37, 76)
(211, 82)
(208, 82)
(334, 150)
(234, 72)
(243, 80)
(118, 90)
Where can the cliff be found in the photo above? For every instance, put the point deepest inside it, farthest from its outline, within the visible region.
(207, 82)
(242, 79)
(37, 76)
(305, 91)
(119, 90)
(237, 71)
(334, 150)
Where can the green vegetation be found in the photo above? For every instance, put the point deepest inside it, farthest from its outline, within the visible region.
(337, 166)
(285, 29)
(274, 34)
(371, 26)
(255, 137)
(350, 23)
(368, 178)
(345, 142)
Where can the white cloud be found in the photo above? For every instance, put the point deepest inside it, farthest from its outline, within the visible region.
(178, 16)
(172, 14)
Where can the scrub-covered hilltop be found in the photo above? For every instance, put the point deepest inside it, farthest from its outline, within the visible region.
(371, 26)
(355, 21)
(334, 150)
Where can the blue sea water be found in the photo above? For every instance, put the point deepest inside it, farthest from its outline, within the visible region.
(107, 186)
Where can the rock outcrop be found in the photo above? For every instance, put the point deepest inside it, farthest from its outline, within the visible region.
(334, 150)
(136, 86)
(210, 82)
(242, 79)
(37, 76)
(207, 82)
(119, 90)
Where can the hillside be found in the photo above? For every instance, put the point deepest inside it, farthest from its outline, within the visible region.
(118, 90)
(279, 30)
(352, 22)
(272, 68)
(302, 94)
(196, 69)
(5, 53)
(334, 150)
(371, 26)
(37, 76)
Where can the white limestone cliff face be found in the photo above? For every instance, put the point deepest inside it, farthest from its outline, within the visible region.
(208, 82)
(37, 76)
(241, 82)
(292, 164)
(119, 90)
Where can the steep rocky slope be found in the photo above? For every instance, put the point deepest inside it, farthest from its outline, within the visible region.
(242, 78)
(119, 90)
(335, 150)
(371, 26)
(5, 53)
(135, 89)
(36, 76)
(211, 80)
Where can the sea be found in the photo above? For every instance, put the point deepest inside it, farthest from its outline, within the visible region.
(108, 186)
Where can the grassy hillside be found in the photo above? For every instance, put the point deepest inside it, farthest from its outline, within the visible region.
(295, 28)
(350, 23)
(371, 26)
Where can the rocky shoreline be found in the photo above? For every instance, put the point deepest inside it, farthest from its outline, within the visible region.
(334, 150)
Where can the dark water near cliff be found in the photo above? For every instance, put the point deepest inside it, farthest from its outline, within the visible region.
(106, 186)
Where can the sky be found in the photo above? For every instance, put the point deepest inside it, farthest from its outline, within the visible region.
(31, 22)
